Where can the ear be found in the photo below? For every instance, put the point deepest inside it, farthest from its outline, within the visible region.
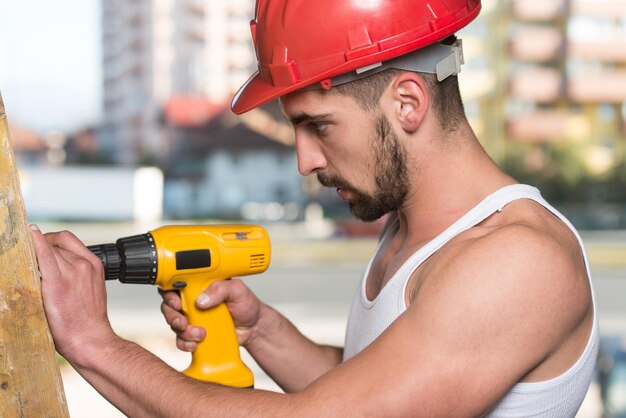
(411, 100)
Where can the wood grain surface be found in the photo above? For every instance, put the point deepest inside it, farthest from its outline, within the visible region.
(30, 381)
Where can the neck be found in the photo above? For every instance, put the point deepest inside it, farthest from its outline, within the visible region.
(452, 175)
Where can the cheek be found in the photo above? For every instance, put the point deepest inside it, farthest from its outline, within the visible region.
(357, 154)
(366, 162)
(350, 154)
(353, 165)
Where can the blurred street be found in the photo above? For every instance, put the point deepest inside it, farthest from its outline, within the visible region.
(312, 283)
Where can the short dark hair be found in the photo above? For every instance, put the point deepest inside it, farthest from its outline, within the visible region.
(445, 95)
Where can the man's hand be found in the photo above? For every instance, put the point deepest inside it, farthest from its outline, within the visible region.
(243, 305)
(276, 345)
(74, 293)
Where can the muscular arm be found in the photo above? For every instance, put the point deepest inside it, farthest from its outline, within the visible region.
(509, 307)
(287, 356)
(477, 326)
(141, 385)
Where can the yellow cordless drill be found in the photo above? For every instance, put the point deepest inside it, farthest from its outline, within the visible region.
(188, 259)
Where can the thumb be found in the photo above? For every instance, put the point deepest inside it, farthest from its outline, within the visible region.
(48, 265)
(203, 301)
(215, 294)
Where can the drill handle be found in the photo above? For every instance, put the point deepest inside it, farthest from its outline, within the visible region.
(217, 357)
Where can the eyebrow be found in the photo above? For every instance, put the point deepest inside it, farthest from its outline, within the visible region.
(305, 117)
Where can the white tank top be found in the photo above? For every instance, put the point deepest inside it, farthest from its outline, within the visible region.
(557, 397)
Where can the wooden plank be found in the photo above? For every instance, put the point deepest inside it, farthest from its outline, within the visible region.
(30, 380)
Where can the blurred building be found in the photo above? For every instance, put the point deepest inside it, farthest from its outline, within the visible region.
(550, 71)
(221, 165)
(29, 147)
(544, 87)
(570, 74)
(156, 49)
(32, 148)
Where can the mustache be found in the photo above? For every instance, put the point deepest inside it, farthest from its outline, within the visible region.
(332, 181)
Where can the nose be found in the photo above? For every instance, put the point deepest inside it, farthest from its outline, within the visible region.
(310, 155)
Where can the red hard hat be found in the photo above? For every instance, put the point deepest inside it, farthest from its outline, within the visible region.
(301, 42)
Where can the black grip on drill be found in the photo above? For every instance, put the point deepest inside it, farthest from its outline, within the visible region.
(130, 260)
(139, 259)
(111, 259)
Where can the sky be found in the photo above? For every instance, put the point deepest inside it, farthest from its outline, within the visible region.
(50, 55)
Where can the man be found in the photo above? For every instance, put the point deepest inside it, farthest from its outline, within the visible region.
(477, 300)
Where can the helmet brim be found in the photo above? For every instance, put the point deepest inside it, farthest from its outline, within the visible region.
(256, 92)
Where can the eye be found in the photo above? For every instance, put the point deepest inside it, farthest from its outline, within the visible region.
(318, 127)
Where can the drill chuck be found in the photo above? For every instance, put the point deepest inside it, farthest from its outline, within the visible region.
(130, 260)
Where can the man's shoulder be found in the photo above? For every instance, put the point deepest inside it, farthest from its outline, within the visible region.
(525, 240)
(534, 248)
(527, 264)
(506, 255)
(503, 285)
(524, 256)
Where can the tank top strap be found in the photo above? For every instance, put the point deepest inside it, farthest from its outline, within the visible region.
(495, 202)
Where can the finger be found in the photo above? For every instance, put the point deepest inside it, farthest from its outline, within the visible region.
(76, 265)
(70, 242)
(180, 325)
(218, 292)
(72, 255)
(65, 256)
(52, 260)
(228, 291)
(174, 318)
(46, 258)
(172, 299)
(192, 334)
(188, 346)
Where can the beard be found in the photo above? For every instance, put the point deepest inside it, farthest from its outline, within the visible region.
(390, 173)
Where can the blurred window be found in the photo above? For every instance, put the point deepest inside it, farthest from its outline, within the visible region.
(615, 402)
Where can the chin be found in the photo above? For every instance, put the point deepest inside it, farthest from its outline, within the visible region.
(367, 217)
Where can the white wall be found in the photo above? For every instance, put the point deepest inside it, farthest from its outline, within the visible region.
(92, 193)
